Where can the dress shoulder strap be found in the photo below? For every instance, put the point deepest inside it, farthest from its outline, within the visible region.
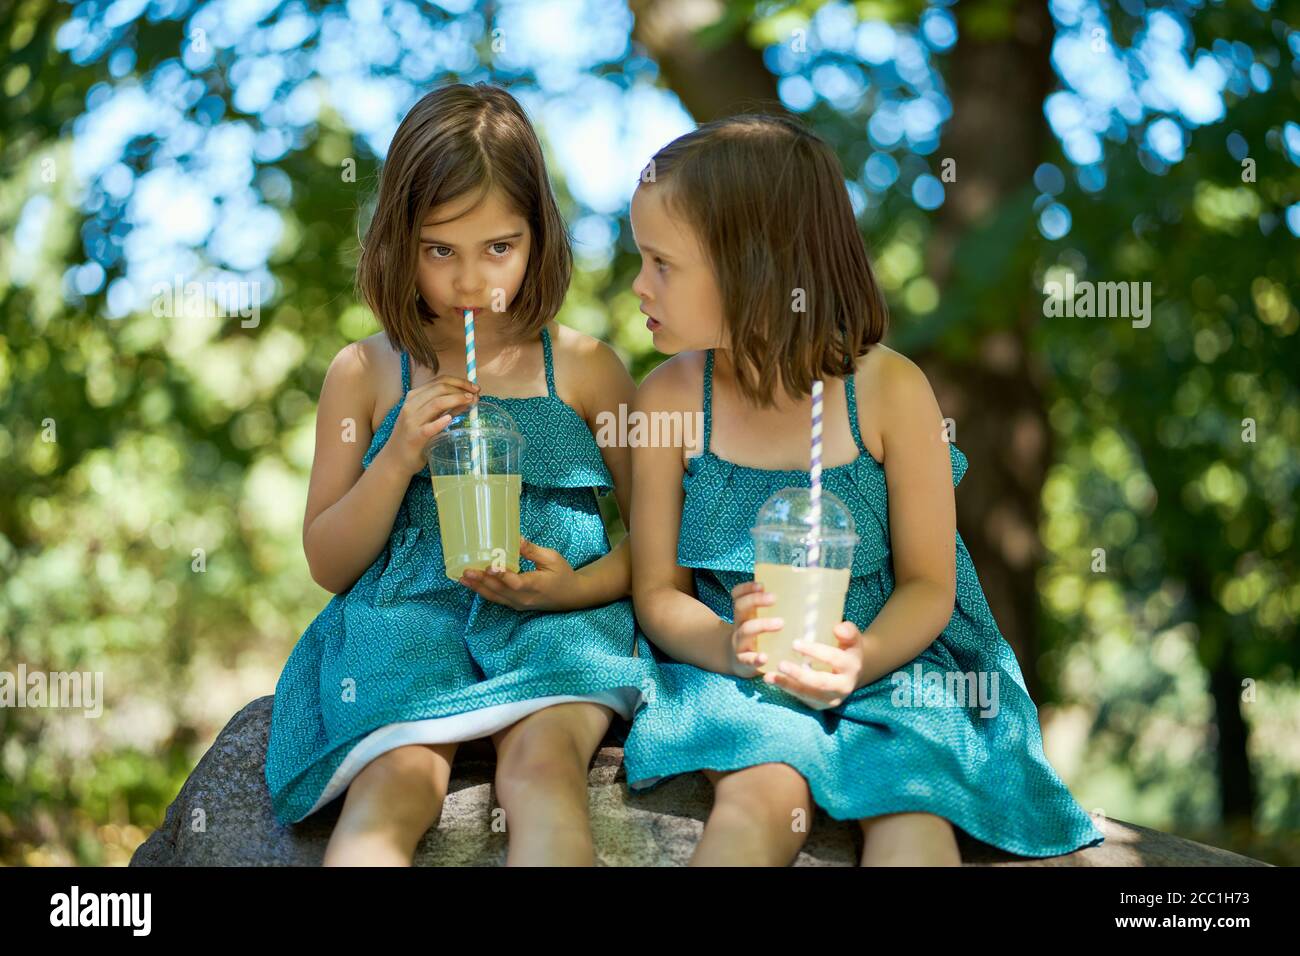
(708, 397)
(851, 398)
(550, 363)
(406, 374)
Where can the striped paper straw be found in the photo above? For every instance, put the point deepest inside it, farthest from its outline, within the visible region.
(815, 477)
(471, 372)
(814, 507)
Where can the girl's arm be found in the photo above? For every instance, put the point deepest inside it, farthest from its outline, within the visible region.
(663, 592)
(922, 517)
(606, 385)
(350, 510)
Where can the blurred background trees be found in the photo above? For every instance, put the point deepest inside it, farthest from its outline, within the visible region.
(1132, 495)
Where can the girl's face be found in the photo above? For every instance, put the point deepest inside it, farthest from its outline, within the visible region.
(472, 258)
(676, 285)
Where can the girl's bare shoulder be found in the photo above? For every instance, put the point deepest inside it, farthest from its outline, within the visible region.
(376, 351)
(677, 383)
(373, 373)
(583, 362)
(892, 390)
(575, 346)
(890, 376)
(580, 349)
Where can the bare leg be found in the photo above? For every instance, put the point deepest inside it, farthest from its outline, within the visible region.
(760, 817)
(541, 782)
(909, 839)
(389, 806)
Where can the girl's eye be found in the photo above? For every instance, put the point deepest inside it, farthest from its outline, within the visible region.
(661, 265)
(499, 249)
(439, 251)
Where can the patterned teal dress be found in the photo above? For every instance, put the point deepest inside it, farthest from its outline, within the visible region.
(407, 655)
(903, 743)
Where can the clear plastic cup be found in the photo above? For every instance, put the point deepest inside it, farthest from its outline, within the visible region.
(782, 535)
(476, 467)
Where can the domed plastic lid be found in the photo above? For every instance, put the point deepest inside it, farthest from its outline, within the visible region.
(789, 513)
(488, 442)
(492, 421)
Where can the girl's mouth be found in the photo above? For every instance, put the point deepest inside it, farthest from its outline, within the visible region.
(653, 324)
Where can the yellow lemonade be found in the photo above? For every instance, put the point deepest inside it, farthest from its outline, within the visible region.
(478, 517)
(792, 586)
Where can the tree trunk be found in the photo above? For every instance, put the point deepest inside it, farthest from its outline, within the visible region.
(713, 82)
(1231, 734)
(997, 134)
(1236, 790)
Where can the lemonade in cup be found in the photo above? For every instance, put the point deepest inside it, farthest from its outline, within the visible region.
(476, 467)
(810, 600)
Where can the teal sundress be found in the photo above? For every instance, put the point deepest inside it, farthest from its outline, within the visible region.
(899, 744)
(408, 655)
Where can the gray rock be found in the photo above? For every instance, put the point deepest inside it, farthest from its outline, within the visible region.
(656, 828)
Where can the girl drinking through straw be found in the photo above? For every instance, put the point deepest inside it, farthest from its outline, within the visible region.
(755, 280)
(405, 662)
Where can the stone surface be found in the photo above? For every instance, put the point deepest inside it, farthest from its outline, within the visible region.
(656, 828)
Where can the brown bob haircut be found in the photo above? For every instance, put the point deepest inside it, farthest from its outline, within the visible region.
(458, 140)
(767, 200)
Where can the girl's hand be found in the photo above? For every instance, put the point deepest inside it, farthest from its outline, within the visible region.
(426, 411)
(554, 586)
(823, 689)
(746, 600)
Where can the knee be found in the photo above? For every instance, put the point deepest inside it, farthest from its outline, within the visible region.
(775, 796)
(909, 839)
(541, 763)
(400, 784)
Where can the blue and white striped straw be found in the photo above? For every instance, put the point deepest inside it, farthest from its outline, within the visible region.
(471, 372)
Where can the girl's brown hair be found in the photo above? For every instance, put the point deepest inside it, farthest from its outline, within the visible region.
(456, 140)
(767, 200)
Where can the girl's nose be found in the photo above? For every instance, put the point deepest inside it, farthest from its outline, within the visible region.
(638, 287)
(468, 283)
